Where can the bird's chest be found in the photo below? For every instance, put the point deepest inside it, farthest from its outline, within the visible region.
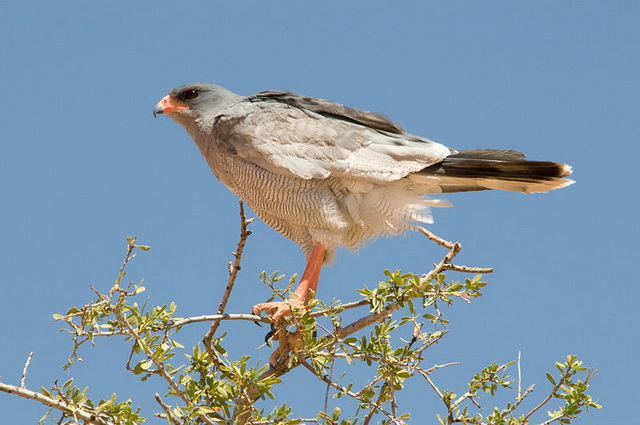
(277, 197)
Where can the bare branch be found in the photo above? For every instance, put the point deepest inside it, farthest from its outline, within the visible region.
(366, 321)
(24, 371)
(233, 273)
(433, 237)
(233, 269)
(465, 269)
(440, 366)
(218, 317)
(519, 378)
(425, 375)
(345, 306)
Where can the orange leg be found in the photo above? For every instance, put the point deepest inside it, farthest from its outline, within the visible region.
(308, 283)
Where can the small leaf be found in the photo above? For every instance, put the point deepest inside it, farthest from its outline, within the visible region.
(145, 364)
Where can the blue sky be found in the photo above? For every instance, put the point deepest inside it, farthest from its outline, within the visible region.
(84, 165)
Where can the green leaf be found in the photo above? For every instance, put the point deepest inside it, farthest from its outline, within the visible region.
(550, 378)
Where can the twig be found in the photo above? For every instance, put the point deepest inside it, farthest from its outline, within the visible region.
(24, 371)
(366, 321)
(167, 410)
(349, 393)
(546, 400)
(342, 307)
(465, 269)
(235, 267)
(440, 366)
(276, 422)
(233, 273)
(435, 238)
(519, 378)
(363, 322)
(425, 375)
(443, 264)
(218, 317)
(131, 244)
(160, 367)
(88, 417)
(332, 359)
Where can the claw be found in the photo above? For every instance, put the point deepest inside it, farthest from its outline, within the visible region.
(269, 335)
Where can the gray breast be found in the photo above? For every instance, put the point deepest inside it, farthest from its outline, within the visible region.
(299, 209)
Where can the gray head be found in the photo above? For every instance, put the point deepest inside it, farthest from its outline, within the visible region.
(195, 102)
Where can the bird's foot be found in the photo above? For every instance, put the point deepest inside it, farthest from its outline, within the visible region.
(292, 342)
(279, 310)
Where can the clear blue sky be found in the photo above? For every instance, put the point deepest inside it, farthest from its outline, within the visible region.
(84, 165)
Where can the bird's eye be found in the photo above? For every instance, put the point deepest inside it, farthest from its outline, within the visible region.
(189, 94)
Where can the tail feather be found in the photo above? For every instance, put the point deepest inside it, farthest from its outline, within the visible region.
(484, 169)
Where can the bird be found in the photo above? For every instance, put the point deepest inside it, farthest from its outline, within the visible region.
(326, 175)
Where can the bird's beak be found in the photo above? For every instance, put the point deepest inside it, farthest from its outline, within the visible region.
(168, 105)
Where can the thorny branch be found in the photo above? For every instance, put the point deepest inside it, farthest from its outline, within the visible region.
(233, 272)
(244, 402)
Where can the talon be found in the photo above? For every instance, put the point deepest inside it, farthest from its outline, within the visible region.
(269, 335)
(278, 310)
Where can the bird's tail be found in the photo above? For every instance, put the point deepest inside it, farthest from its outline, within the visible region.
(483, 169)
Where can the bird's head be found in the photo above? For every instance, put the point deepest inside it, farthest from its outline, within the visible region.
(194, 102)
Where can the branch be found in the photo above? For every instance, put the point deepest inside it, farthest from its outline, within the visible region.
(167, 410)
(282, 367)
(444, 264)
(437, 239)
(349, 393)
(218, 317)
(158, 364)
(233, 273)
(555, 389)
(24, 371)
(88, 417)
(233, 270)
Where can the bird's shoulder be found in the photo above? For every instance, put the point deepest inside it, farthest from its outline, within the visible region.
(326, 108)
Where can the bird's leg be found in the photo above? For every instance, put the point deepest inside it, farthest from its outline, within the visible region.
(308, 283)
(302, 294)
(311, 274)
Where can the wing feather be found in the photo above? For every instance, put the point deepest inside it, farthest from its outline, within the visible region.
(314, 139)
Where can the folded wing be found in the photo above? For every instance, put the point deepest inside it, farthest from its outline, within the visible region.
(314, 139)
